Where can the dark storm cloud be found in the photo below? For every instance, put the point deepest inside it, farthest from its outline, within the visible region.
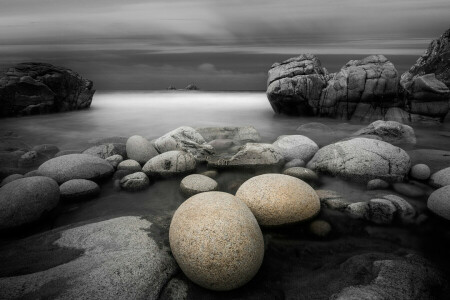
(231, 41)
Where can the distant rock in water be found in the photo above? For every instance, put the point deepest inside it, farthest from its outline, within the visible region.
(36, 88)
(192, 87)
(171, 88)
(366, 90)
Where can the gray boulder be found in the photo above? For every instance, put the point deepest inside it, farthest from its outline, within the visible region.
(48, 150)
(134, 182)
(296, 147)
(196, 183)
(140, 149)
(357, 210)
(76, 166)
(304, 174)
(381, 211)
(31, 159)
(114, 160)
(405, 211)
(239, 135)
(78, 189)
(362, 159)
(390, 131)
(107, 150)
(295, 163)
(420, 172)
(439, 202)
(377, 184)
(11, 178)
(130, 165)
(24, 200)
(169, 164)
(440, 178)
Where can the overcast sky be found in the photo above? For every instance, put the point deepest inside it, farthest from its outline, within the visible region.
(133, 44)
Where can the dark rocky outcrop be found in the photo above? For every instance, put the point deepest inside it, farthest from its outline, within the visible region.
(35, 88)
(191, 87)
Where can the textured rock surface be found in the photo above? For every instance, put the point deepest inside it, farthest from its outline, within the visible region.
(114, 160)
(440, 178)
(115, 259)
(420, 172)
(239, 135)
(34, 88)
(216, 240)
(296, 147)
(196, 183)
(25, 200)
(185, 139)
(140, 149)
(302, 173)
(405, 211)
(48, 150)
(362, 159)
(377, 184)
(277, 199)
(390, 131)
(78, 189)
(130, 165)
(295, 85)
(107, 150)
(76, 166)
(294, 163)
(170, 164)
(11, 178)
(439, 202)
(381, 211)
(134, 182)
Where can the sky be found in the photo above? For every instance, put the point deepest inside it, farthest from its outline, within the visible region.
(215, 44)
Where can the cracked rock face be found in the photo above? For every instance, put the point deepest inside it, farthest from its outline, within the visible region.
(362, 160)
(34, 88)
(295, 85)
(390, 131)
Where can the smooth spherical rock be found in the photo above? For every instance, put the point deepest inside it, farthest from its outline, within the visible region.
(11, 178)
(78, 189)
(196, 183)
(440, 178)
(25, 200)
(295, 163)
(135, 182)
(114, 160)
(420, 172)
(409, 190)
(169, 164)
(32, 174)
(76, 166)
(277, 199)
(216, 241)
(140, 149)
(302, 173)
(320, 228)
(130, 165)
(296, 147)
(377, 184)
(439, 202)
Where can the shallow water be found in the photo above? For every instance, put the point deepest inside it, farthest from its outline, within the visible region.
(151, 114)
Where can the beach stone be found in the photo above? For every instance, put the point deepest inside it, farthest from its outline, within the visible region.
(320, 228)
(196, 183)
(362, 160)
(277, 199)
(32, 174)
(210, 173)
(31, 159)
(439, 202)
(405, 211)
(66, 152)
(295, 163)
(48, 150)
(250, 156)
(135, 182)
(389, 131)
(119, 174)
(221, 144)
(11, 178)
(296, 147)
(113, 259)
(78, 189)
(420, 172)
(408, 190)
(332, 199)
(107, 150)
(140, 149)
(302, 173)
(186, 139)
(169, 164)
(76, 166)
(357, 210)
(129, 164)
(24, 200)
(377, 184)
(381, 211)
(239, 135)
(114, 160)
(440, 178)
(216, 241)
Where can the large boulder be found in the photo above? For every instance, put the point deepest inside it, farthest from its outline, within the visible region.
(239, 135)
(197, 183)
(107, 150)
(362, 160)
(439, 202)
(251, 155)
(76, 166)
(135, 182)
(277, 199)
(185, 139)
(78, 189)
(216, 240)
(170, 164)
(440, 178)
(112, 259)
(34, 88)
(389, 131)
(140, 149)
(296, 147)
(295, 85)
(24, 200)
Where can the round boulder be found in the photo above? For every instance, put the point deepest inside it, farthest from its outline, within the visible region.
(420, 172)
(439, 202)
(440, 178)
(130, 165)
(170, 163)
(48, 150)
(11, 178)
(76, 166)
(295, 163)
(302, 173)
(135, 182)
(216, 241)
(140, 149)
(296, 147)
(24, 200)
(377, 184)
(114, 160)
(277, 199)
(78, 189)
(196, 183)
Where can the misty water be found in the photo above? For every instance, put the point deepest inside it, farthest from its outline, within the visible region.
(152, 114)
